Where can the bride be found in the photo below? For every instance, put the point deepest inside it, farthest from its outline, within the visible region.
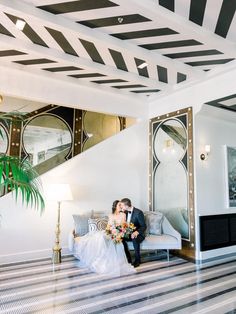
(100, 254)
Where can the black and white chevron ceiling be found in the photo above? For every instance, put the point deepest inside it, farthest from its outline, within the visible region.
(227, 103)
(136, 46)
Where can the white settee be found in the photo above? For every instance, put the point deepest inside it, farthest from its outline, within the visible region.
(169, 239)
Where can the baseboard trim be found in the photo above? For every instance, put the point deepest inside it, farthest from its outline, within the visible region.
(216, 258)
(30, 256)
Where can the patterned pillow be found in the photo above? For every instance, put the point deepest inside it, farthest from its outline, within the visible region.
(81, 224)
(97, 224)
(154, 222)
(98, 214)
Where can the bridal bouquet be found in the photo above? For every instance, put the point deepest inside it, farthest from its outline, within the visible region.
(117, 232)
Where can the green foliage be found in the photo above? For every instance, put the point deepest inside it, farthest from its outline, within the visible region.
(20, 177)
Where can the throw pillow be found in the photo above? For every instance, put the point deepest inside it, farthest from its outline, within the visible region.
(154, 222)
(81, 224)
(98, 214)
(97, 224)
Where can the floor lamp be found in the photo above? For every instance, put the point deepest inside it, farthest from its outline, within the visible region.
(58, 192)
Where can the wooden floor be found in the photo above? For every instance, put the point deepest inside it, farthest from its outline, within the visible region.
(157, 287)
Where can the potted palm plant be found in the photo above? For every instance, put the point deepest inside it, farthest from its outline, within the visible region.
(18, 175)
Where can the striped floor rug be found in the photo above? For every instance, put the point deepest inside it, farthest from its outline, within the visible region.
(157, 287)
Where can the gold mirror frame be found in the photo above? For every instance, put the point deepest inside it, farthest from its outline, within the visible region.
(188, 246)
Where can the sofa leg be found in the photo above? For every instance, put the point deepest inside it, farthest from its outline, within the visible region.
(168, 255)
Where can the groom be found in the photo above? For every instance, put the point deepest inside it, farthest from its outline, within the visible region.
(135, 216)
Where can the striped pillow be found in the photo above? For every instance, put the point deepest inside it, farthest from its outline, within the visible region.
(97, 224)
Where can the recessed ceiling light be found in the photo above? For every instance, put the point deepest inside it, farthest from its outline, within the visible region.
(120, 19)
(143, 65)
(20, 24)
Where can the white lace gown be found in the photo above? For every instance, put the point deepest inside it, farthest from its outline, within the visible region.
(101, 255)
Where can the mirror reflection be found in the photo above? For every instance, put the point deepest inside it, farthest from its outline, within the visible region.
(47, 141)
(99, 127)
(170, 174)
(3, 149)
(3, 140)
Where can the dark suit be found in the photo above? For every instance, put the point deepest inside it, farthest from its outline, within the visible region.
(137, 218)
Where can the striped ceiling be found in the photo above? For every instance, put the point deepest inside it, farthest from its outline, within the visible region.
(228, 103)
(103, 42)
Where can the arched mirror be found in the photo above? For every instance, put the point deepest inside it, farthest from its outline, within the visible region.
(4, 141)
(47, 141)
(171, 173)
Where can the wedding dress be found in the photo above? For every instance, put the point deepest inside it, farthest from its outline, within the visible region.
(101, 255)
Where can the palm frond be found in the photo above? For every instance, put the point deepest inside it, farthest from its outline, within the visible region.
(21, 178)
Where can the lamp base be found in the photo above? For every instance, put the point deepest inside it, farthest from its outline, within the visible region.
(56, 256)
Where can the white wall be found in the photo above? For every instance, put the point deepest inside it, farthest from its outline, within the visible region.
(210, 174)
(115, 168)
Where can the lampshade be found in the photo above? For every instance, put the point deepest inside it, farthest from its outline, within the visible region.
(58, 192)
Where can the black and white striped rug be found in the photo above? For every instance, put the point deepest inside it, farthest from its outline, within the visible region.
(157, 287)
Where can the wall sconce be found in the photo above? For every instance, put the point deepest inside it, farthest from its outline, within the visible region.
(168, 146)
(169, 143)
(205, 155)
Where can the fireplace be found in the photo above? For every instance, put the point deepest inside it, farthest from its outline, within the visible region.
(217, 231)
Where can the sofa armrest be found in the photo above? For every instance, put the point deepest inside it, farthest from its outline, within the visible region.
(167, 228)
(71, 237)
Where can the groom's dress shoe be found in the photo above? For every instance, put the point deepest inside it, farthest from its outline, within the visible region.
(136, 264)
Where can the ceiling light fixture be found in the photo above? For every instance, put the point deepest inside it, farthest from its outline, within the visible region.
(20, 24)
(143, 65)
(120, 19)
